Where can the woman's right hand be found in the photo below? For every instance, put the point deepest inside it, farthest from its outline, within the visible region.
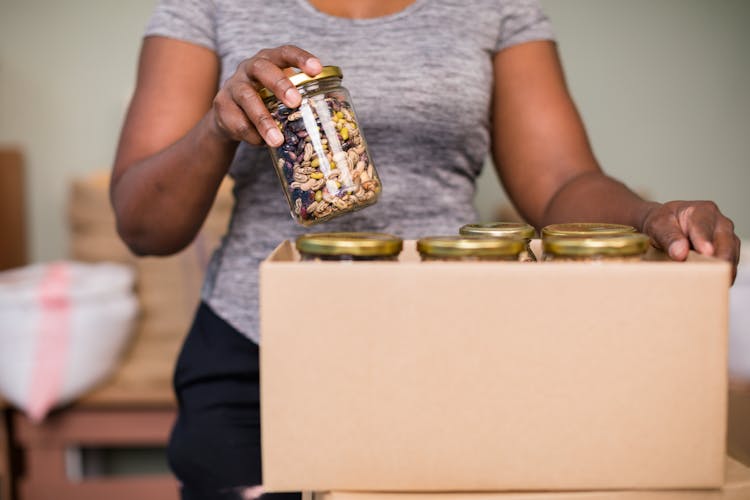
(239, 112)
(180, 136)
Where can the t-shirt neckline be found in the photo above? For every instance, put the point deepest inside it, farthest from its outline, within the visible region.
(406, 11)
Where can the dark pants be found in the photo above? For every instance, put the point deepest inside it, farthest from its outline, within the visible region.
(214, 449)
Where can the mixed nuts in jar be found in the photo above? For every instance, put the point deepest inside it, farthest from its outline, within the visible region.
(623, 248)
(504, 230)
(470, 248)
(349, 246)
(323, 165)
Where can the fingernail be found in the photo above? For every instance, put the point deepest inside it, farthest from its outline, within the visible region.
(291, 96)
(678, 249)
(316, 66)
(707, 248)
(275, 137)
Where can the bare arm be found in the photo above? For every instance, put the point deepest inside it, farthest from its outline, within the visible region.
(180, 136)
(545, 161)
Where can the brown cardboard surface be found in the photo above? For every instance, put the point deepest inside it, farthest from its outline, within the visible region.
(736, 487)
(738, 431)
(13, 248)
(5, 475)
(437, 376)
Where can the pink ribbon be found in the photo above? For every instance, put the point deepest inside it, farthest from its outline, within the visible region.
(52, 342)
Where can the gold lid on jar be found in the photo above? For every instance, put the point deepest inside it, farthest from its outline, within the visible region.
(499, 230)
(470, 246)
(583, 229)
(356, 244)
(623, 245)
(301, 78)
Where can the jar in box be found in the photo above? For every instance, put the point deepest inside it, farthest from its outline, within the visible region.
(470, 248)
(504, 230)
(584, 229)
(349, 246)
(623, 247)
(324, 166)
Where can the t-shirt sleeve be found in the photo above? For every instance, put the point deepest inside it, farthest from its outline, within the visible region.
(522, 21)
(187, 20)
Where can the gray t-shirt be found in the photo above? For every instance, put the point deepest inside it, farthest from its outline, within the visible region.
(421, 83)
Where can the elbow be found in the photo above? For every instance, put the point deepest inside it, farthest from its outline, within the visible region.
(144, 241)
(133, 239)
(147, 230)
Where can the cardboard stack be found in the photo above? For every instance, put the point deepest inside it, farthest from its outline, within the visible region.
(12, 209)
(168, 287)
(738, 433)
(464, 381)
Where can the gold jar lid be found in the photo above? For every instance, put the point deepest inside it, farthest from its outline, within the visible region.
(622, 245)
(499, 230)
(303, 78)
(470, 246)
(357, 244)
(583, 229)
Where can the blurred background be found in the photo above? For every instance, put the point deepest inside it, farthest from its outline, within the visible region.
(662, 86)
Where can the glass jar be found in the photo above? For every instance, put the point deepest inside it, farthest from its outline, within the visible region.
(504, 230)
(324, 166)
(623, 248)
(584, 229)
(349, 246)
(470, 248)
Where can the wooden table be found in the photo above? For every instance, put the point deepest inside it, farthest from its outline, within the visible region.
(5, 472)
(136, 407)
(738, 429)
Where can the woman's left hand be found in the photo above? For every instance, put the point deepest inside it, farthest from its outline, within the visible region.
(678, 226)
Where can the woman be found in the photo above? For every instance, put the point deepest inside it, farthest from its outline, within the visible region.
(436, 86)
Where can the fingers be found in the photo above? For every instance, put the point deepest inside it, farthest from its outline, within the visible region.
(240, 111)
(266, 74)
(664, 229)
(676, 225)
(251, 104)
(266, 69)
(726, 243)
(233, 121)
(738, 249)
(697, 222)
(291, 56)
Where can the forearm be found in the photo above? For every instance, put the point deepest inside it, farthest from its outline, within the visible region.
(595, 197)
(161, 201)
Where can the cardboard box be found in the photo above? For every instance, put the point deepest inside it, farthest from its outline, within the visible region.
(411, 376)
(736, 487)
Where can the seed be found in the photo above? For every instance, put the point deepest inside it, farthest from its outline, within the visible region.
(310, 177)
